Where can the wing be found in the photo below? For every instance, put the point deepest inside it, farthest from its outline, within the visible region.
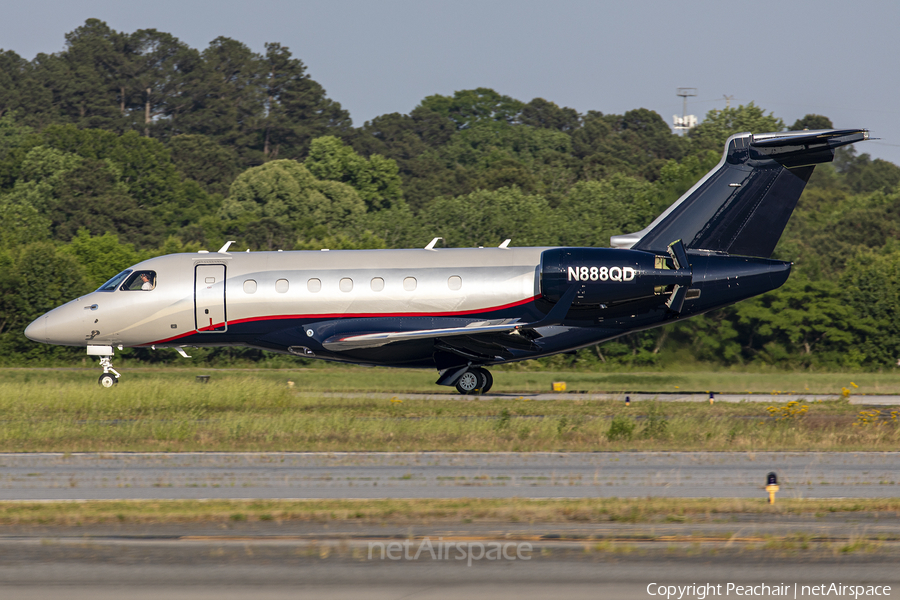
(496, 335)
(374, 340)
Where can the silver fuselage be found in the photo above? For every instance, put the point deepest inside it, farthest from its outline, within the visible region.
(266, 286)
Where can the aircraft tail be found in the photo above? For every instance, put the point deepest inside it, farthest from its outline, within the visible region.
(742, 206)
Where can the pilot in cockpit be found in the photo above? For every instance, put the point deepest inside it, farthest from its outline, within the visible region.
(147, 280)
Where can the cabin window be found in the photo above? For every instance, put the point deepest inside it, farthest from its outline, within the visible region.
(377, 284)
(282, 285)
(140, 281)
(314, 285)
(112, 284)
(346, 284)
(250, 286)
(455, 282)
(409, 284)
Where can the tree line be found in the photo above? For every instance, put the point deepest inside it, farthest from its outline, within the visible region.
(129, 145)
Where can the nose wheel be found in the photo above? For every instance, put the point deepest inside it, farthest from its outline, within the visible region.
(108, 380)
(110, 376)
(475, 381)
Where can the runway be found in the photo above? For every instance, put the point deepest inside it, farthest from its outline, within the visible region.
(54, 476)
(329, 561)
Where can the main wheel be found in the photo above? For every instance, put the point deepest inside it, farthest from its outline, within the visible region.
(107, 380)
(470, 382)
(487, 380)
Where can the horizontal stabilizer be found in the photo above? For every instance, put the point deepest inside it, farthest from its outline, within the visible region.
(832, 138)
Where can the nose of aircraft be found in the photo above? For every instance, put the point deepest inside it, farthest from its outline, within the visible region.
(37, 331)
(63, 325)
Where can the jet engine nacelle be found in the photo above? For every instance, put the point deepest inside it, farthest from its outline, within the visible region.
(606, 275)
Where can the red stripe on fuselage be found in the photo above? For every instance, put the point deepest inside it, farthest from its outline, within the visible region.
(353, 316)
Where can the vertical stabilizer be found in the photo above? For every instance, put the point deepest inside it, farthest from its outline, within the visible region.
(743, 204)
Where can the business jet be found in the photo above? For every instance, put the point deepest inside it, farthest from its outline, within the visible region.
(462, 310)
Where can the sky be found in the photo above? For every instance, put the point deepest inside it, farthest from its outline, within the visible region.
(792, 58)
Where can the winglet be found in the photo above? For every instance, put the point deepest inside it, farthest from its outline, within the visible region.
(431, 244)
(224, 249)
(505, 244)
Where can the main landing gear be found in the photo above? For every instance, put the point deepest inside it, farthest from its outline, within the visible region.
(475, 381)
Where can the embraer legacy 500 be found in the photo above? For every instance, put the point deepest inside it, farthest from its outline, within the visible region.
(461, 310)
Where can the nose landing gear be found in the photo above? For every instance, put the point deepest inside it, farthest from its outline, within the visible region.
(110, 376)
(475, 381)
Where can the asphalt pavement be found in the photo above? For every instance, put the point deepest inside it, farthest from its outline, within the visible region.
(779, 398)
(222, 475)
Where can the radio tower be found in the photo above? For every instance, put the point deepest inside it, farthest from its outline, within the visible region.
(686, 121)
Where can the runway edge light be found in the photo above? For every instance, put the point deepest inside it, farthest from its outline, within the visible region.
(771, 486)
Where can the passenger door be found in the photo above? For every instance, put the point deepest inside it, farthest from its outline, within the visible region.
(209, 299)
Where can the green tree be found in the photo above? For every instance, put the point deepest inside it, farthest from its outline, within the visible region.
(812, 122)
(21, 223)
(146, 172)
(468, 107)
(871, 292)
(75, 192)
(376, 180)
(592, 211)
(804, 319)
(862, 174)
(719, 124)
(157, 67)
(486, 218)
(86, 79)
(493, 155)
(100, 257)
(545, 114)
(200, 159)
(16, 141)
(638, 142)
(286, 191)
(33, 280)
(224, 100)
(14, 75)
(411, 140)
(296, 107)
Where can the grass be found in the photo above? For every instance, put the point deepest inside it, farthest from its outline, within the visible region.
(507, 379)
(66, 411)
(461, 510)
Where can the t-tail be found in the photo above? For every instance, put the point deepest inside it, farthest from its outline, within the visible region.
(742, 206)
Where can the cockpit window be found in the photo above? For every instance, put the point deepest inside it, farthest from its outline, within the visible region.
(112, 284)
(140, 281)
